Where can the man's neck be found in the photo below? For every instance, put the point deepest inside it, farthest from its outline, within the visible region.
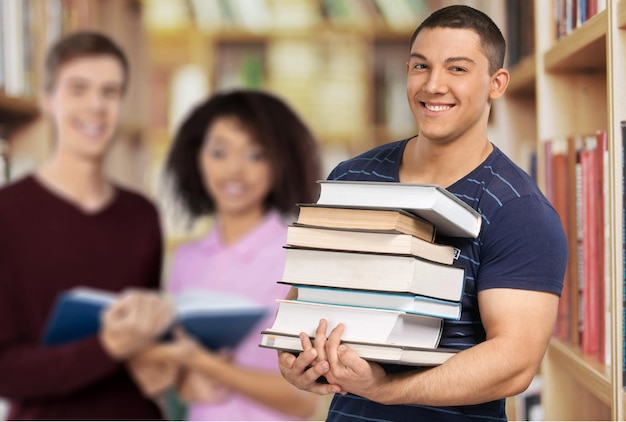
(426, 162)
(80, 181)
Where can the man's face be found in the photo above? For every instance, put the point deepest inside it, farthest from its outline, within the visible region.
(84, 104)
(448, 84)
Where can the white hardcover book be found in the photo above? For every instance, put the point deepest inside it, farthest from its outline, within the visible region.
(377, 352)
(361, 324)
(370, 271)
(451, 215)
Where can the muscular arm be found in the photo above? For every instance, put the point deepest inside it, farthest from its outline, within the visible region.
(518, 324)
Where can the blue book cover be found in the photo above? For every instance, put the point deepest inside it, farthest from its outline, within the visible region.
(216, 319)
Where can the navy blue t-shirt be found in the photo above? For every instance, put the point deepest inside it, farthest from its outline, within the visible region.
(521, 245)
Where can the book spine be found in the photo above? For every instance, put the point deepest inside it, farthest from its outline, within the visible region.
(558, 196)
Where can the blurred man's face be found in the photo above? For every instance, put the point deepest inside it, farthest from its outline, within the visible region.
(85, 103)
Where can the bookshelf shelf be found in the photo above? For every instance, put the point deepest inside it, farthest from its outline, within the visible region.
(585, 369)
(582, 50)
(12, 108)
(523, 77)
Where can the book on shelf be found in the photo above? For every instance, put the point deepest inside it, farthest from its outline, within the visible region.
(403, 302)
(592, 214)
(365, 218)
(361, 324)
(372, 271)
(378, 352)
(573, 237)
(449, 214)
(216, 319)
(368, 241)
(556, 188)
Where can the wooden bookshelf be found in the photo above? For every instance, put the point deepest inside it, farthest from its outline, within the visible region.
(621, 14)
(523, 78)
(583, 49)
(16, 110)
(586, 370)
(579, 90)
(348, 34)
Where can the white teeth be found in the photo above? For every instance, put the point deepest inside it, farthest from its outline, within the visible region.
(233, 188)
(92, 129)
(433, 107)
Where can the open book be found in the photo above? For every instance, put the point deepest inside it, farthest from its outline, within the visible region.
(216, 319)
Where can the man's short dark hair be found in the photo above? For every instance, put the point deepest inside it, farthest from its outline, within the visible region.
(77, 45)
(465, 17)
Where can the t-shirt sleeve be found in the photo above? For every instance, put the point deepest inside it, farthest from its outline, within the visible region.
(524, 248)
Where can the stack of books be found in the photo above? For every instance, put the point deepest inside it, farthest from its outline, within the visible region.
(364, 255)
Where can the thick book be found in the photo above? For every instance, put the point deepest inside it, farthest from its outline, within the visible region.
(449, 214)
(372, 271)
(402, 302)
(368, 241)
(372, 325)
(216, 319)
(377, 352)
(366, 218)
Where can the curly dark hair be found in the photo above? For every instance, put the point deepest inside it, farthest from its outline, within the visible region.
(290, 146)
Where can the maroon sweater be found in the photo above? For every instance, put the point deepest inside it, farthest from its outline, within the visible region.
(48, 245)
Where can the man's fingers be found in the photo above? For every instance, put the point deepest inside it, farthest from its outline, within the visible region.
(320, 339)
(332, 344)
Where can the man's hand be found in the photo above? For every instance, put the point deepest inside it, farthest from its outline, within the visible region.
(134, 321)
(306, 370)
(349, 370)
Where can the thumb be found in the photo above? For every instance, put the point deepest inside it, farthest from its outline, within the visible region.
(347, 356)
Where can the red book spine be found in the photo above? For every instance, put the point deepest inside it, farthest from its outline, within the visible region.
(591, 311)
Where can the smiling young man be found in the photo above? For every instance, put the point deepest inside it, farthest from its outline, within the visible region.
(64, 226)
(514, 268)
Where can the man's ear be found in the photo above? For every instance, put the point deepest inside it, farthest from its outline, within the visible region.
(499, 83)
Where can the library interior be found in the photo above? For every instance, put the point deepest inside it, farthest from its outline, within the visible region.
(341, 65)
